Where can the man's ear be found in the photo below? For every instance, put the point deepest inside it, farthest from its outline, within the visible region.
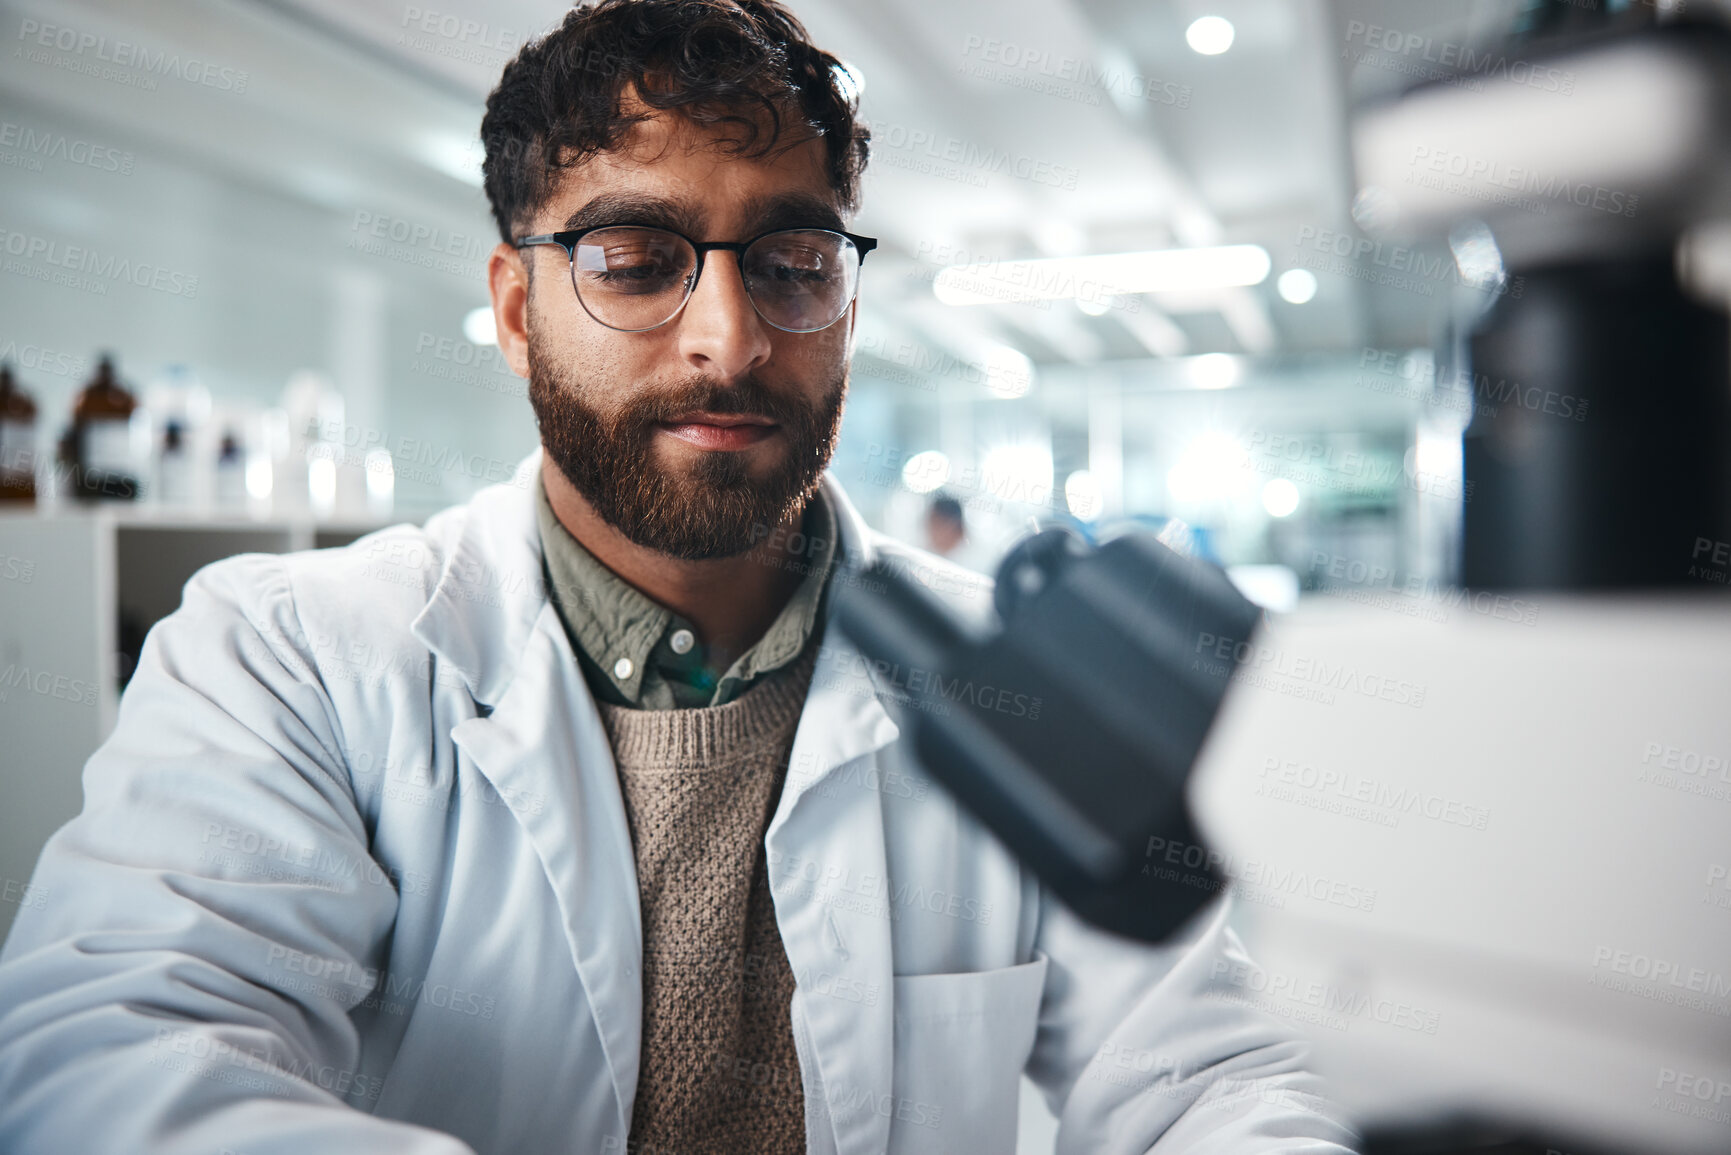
(508, 281)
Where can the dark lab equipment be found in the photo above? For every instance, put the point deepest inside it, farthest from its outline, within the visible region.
(1080, 717)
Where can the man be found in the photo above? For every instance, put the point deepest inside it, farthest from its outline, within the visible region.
(564, 824)
(945, 527)
(948, 536)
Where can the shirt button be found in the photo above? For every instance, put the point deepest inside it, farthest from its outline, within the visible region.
(681, 641)
(622, 668)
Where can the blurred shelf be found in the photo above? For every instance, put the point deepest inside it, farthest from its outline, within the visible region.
(130, 514)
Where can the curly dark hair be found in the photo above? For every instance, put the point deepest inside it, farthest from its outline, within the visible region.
(717, 62)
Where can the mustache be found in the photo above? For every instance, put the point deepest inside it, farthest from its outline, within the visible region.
(748, 396)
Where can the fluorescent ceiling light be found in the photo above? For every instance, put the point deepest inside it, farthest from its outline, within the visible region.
(1009, 372)
(1057, 237)
(1297, 286)
(478, 326)
(1280, 498)
(925, 472)
(1214, 467)
(1210, 36)
(1082, 495)
(1018, 472)
(1214, 370)
(1098, 277)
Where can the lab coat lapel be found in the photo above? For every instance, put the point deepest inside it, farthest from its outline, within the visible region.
(827, 861)
(843, 717)
(830, 846)
(545, 751)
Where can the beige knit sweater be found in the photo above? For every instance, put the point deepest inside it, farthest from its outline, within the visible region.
(718, 1071)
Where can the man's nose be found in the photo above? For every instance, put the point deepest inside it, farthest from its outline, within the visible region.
(720, 333)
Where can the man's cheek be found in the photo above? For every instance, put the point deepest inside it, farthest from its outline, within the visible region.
(818, 356)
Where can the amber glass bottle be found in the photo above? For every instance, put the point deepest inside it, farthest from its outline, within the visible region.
(17, 441)
(99, 444)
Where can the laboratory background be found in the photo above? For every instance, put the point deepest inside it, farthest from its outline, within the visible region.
(1198, 267)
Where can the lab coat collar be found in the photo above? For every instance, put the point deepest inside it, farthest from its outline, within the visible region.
(491, 601)
(491, 590)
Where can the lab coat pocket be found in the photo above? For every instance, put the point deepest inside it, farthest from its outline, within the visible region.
(961, 1041)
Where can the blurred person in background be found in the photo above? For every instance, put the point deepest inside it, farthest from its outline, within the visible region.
(947, 534)
(945, 528)
(563, 823)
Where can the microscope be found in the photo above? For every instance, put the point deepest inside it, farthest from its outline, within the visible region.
(1481, 858)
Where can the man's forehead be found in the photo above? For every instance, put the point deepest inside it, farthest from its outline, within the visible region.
(694, 177)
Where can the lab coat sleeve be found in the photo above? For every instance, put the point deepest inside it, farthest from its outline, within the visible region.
(1146, 1048)
(157, 1001)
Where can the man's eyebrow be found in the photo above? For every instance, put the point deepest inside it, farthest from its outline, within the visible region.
(633, 209)
(761, 214)
(789, 210)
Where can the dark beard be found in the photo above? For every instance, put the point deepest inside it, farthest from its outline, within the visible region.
(710, 509)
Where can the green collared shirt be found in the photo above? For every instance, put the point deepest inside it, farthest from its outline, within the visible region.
(636, 652)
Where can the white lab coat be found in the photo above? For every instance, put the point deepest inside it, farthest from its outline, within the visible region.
(353, 875)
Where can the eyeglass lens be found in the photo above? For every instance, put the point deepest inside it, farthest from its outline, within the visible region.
(633, 278)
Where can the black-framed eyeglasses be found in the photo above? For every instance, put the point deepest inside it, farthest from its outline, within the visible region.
(636, 277)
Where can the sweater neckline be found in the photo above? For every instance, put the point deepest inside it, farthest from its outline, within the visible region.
(700, 737)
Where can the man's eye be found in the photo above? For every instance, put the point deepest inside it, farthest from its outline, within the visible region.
(636, 256)
(633, 271)
(796, 274)
(627, 252)
(636, 270)
(796, 265)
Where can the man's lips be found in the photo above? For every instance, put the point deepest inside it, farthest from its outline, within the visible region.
(719, 430)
